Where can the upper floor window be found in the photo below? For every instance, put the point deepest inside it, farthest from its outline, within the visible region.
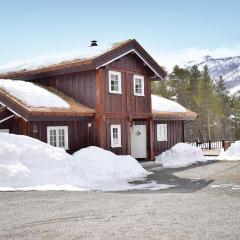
(115, 136)
(115, 85)
(138, 85)
(58, 136)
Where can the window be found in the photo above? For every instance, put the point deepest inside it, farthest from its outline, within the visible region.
(138, 85)
(4, 130)
(115, 136)
(115, 82)
(161, 132)
(58, 136)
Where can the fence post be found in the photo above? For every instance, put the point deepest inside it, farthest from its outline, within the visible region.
(196, 143)
(209, 145)
(223, 144)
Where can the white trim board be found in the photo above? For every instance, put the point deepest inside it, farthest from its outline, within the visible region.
(132, 50)
(13, 111)
(5, 119)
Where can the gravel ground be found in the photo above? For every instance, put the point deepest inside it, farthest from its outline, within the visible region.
(200, 207)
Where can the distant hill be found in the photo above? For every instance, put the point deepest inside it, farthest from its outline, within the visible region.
(228, 68)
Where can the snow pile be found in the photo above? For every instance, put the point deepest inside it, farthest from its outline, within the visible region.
(28, 164)
(101, 166)
(180, 155)
(25, 161)
(31, 94)
(232, 153)
(160, 104)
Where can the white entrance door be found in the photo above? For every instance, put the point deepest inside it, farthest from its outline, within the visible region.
(139, 141)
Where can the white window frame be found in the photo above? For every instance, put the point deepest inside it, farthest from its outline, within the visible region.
(162, 132)
(113, 144)
(4, 130)
(65, 128)
(134, 85)
(119, 82)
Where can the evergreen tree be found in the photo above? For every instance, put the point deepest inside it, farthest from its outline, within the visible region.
(161, 88)
(194, 80)
(205, 102)
(224, 106)
(178, 81)
(235, 116)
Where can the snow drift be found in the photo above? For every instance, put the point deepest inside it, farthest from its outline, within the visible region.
(31, 94)
(232, 153)
(180, 155)
(28, 164)
(25, 162)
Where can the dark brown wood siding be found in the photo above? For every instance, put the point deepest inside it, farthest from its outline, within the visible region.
(175, 135)
(127, 102)
(79, 133)
(125, 127)
(8, 124)
(81, 86)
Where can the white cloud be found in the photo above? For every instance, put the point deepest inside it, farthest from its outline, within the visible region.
(195, 54)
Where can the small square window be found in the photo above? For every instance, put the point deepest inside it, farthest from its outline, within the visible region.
(138, 85)
(115, 136)
(115, 82)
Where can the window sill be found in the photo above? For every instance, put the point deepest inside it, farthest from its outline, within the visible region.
(116, 146)
(139, 95)
(115, 92)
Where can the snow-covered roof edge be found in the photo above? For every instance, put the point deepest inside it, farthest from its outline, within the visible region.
(90, 58)
(19, 107)
(170, 110)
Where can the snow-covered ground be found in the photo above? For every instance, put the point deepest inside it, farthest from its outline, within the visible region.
(31, 94)
(28, 164)
(232, 153)
(161, 104)
(180, 155)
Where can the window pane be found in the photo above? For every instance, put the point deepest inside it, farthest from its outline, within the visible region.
(61, 138)
(114, 83)
(138, 85)
(53, 138)
(115, 135)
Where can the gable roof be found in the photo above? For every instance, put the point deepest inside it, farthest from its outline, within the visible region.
(92, 58)
(165, 109)
(15, 105)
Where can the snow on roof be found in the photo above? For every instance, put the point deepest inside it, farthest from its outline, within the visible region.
(31, 94)
(45, 61)
(161, 104)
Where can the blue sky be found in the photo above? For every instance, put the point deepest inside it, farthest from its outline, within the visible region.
(166, 29)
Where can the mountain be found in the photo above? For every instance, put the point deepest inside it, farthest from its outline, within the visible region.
(228, 68)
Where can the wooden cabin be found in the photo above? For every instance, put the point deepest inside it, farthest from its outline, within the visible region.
(109, 94)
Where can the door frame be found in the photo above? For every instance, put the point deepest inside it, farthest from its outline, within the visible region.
(149, 135)
(144, 143)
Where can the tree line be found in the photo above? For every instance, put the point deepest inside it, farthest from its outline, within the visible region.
(219, 113)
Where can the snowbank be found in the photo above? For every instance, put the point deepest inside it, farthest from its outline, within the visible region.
(25, 162)
(103, 167)
(31, 94)
(28, 164)
(180, 155)
(232, 153)
(160, 104)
